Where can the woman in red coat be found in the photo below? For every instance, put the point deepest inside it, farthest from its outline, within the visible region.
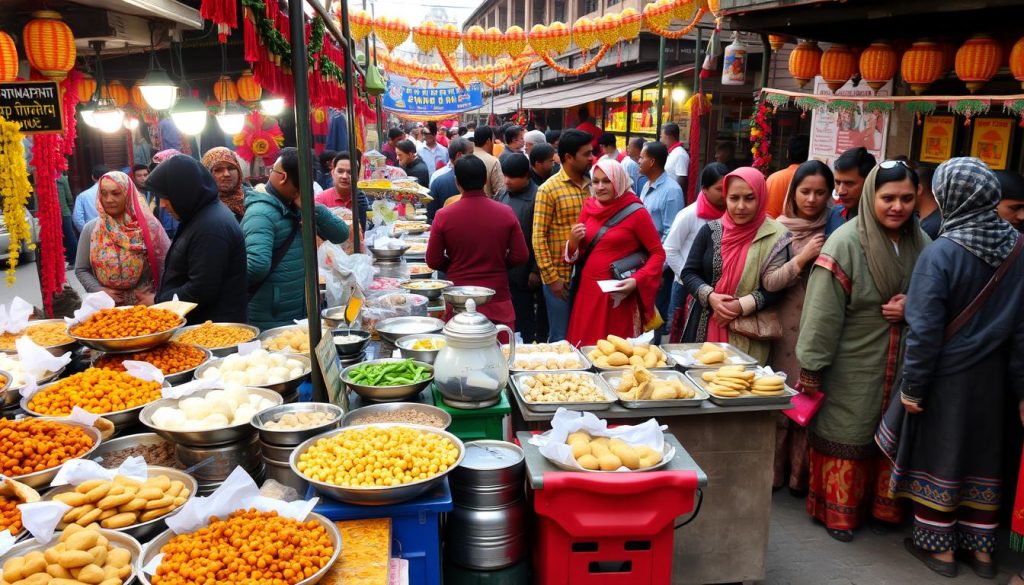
(628, 311)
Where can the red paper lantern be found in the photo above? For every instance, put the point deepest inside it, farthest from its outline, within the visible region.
(805, 62)
(225, 90)
(8, 58)
(49, 44)
(118, 92)
(922, 65)
(248, 89)
(977, 61)
(1017, 61)
(878, 64)
(837, 66)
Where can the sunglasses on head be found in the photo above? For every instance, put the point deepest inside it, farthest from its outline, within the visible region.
(891, 164)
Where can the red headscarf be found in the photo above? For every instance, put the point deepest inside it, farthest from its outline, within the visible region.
(736, 241)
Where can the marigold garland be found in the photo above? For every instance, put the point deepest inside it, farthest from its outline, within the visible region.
(15, 190)
(582, 68)
(657, 28)
(761, 136)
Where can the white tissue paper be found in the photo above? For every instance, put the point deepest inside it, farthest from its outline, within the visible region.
(303, 323)
(565, 422)
(183, 390)
(93, 303)
(78, 471)
(36, 361)
(245, 349)
(7, 540)
(144, 371)
(42, 518)
(83, 416)
(14, 317)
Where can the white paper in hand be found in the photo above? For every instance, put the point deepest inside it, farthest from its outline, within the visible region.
(144, 371)
(36, 361)
(14, 317)
(93, 303)
(79, 471)
(183, 390)
(42, 518)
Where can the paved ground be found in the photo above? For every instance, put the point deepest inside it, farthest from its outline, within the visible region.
(801, 553)
(27, 284)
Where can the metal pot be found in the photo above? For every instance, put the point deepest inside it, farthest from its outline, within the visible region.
(486, 539)
(217, 463)
(470, 370)
(281, 471)
(276, 452)
(491, 475)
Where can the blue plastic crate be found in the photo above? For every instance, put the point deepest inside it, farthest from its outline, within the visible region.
(415, 528)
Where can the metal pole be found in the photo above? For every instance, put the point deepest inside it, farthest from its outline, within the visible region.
(304, 142)
(766, 59)
(353, 143)
(376, 102)
(661, 83)
(494, 80)
(697, 63)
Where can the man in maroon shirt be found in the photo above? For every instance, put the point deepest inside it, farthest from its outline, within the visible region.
(587, 125)
(477, 240)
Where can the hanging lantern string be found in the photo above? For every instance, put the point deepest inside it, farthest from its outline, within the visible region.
(582, 68)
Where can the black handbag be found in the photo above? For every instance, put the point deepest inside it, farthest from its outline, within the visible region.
(625, 267)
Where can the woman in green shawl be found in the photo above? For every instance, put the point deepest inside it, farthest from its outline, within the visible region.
(850, 334)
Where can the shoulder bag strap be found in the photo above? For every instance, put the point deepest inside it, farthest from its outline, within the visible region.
(613, 221)
(990, 287)
(275, 259)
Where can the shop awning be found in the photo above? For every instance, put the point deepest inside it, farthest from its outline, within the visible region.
(171, 10)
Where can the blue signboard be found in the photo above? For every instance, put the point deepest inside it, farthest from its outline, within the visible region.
(408, 99)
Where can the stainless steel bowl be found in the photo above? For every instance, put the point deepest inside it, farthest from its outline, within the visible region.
(333, 317)
(154, 546)
(177, 377)
(285, 388)
(12, 394)
(458, 295)
(420, 275)
(276, 453)
(230, 434)
(293, 437)
(417, 287)
(215, 464)
(7, 380)
(272, 333)
(359, 415)
(129, 344)
(145, 530)
(120, 418)
(387, 393)
(39, 479)
(404, 345)
(117, 539)
(377, 496)
(381, 254)
(350, 348)
(227, 349)
(55, 350)
(391, 329)
(137, 440)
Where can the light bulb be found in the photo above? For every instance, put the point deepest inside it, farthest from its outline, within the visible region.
(231, 123)
(131, 123)
(189, 115)
(108, 120)
(158, 90)
(678, 94)
(272, 106)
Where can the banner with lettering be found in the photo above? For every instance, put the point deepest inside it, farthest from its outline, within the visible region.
(407, 99)
(35, 105)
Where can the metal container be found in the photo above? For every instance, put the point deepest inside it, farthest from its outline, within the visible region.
(11, 395)
(290, 438)
(177, 377)
(458, 295)
(486, 539)
(227, 349)
(117, 540)
(519, 387)
(281, 472)
(350, 348)
(129, 344)
(40, 479)
(490, 475)
(137, 440)
(387, 254)
(387, 393)
(420, 275)
(276, 452)
(612, 378)
(359, 415)
(683, 354)
(55, 350)
(153, 549)
(393, 328)
(377, 496)
(282, 388)
(333, 317)
(427, 356)
(217, 463)
(119, 418)
(145, 530)
(430, 288)
(7, 380)
(744, 399)
(203, 439)
(269, 334)
(670, 362)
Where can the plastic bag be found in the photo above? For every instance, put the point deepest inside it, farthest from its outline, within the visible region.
(343, 273)
(391, 305)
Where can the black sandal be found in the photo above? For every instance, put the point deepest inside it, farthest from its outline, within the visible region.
(985, 570)
(944, 568)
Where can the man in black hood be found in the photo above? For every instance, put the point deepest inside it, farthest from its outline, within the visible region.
(206, 262)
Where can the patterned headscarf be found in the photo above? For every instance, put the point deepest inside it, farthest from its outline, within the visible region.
(235, 200)
(164, 155)
(120, 248)
(968, 192)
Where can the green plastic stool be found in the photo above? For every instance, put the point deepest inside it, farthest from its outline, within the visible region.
(478, 423)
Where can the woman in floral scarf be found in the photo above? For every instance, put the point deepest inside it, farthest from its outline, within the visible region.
(122, 251)
(224, 166)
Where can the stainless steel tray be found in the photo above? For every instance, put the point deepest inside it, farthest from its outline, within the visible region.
(733, 356)
(553, 406)
(670, 362)
(744, 399)
(585, 363)
(612, 380)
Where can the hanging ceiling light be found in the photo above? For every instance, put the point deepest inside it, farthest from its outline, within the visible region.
(272, 106)
(108, 118)
(101, 112)
(189, 114)
(231, 117)
(130, 123)
(157, 88)
(87, 110)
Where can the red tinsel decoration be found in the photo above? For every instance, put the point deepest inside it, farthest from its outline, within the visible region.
(223, 14)
(698, 105)
(761, 137)
(250, 42)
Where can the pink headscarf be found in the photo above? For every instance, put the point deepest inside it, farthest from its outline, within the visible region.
(621, 183)
(622, 187)
(736, 241)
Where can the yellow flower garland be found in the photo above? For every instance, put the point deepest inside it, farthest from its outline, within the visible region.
(15, 190)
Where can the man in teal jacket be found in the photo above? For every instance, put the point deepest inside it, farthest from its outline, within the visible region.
(273, 245)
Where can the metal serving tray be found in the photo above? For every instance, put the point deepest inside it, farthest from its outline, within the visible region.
(733, 356)
(585, 363)
(518, 387)
(670, 362)
(612, 378)
(744, 399)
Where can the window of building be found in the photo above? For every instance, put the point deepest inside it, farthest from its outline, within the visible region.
(559, 10)
(585, 7)
(519, 13)
(503, 17)
(612, 2)
(539, 9)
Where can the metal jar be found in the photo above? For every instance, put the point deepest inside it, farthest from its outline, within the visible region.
(486, 539)
(491, 475)
(215, 464)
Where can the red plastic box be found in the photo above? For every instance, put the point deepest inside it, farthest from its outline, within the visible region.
(609, 529)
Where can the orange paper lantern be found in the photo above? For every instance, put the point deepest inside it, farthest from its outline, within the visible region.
(118, 92)
(878, 64)
(49, 44)
(922, 65)
(448, 39)
(559, 36)
(658, 15)
(424, 36)
(608, 28)
(777, 42)
(8, 58)
(492, 42)
(837, 66)
(805, 62)
(86, 88)
(360, 24)
(391, 32)
(977, 61)
(248, 89)
(475, 38)
(1017, 61)
(584, 33)
(630, 23)
(514, 41)
(225, 89)
(135, 98)
(684, 10)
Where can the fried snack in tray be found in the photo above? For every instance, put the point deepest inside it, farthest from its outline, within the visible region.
(13, 493)
(123, 323)
(616, 352)
(709, 354)
(735, 381)
(562, 387)
(604, 454)
(169, 358)
(121, 502)
(544, 356)
(29, 445)
(213, 335)
(637, 383)
(80, 556)
(365, 557)
(44, 334)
